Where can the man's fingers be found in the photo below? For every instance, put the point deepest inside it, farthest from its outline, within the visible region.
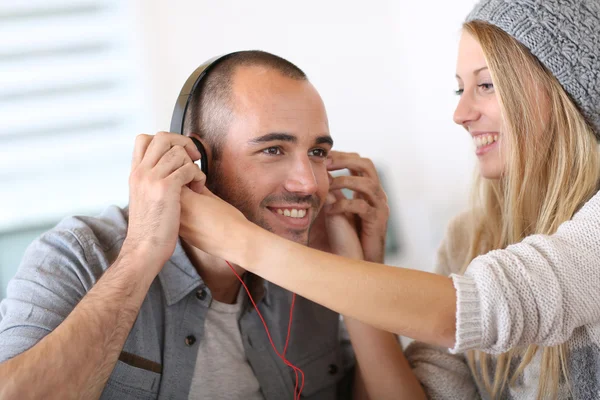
(358, 207)
(139, 149)
(366, 187)
(337, 194)
(186, 174)
(163, 142)
(198, 184)
(353, 162)
(172, 160)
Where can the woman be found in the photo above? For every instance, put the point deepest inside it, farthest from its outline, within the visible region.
(529, 87)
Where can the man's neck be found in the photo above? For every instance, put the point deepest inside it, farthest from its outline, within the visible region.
(216, 274)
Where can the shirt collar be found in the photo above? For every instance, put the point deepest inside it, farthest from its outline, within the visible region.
(179, 278)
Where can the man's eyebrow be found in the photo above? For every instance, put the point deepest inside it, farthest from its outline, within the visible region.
(325, 139)
(272, 137)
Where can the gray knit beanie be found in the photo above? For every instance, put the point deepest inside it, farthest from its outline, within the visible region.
(563, 34)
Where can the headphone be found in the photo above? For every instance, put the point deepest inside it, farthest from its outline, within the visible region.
(184, 99)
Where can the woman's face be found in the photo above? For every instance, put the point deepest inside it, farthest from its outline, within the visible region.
(478, 110)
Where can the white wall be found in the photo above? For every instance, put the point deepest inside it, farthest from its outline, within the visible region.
(385, 70)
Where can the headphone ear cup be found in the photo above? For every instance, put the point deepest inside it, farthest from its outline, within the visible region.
(203, 155)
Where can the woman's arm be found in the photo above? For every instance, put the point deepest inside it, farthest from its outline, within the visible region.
(410, 303)
(415, 304)
(535, 292)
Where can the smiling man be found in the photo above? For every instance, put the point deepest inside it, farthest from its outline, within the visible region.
(268, 137)
(267, 127)
(119, 307)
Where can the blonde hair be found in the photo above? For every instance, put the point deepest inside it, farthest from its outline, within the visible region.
(552, 168)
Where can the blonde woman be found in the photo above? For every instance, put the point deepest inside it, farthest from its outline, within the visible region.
(521, 310)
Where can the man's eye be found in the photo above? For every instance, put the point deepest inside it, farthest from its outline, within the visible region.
(322, 153)
(272, 151)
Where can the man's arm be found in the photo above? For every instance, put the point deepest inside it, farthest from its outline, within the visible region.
(382, 371)
(76, 359)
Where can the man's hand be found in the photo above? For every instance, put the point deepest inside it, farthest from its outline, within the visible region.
(369, 201)
(76, 359)
(336, 233)
(162, 165)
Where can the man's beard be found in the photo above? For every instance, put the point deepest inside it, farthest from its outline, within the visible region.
(241, 200)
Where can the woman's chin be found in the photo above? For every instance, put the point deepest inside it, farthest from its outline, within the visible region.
(490, 171)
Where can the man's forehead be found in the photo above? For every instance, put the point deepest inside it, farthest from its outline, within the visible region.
(266, 102)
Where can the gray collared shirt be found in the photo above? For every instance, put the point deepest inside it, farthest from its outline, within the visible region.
(159, 355)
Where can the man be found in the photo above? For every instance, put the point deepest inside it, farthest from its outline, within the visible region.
(119, 307)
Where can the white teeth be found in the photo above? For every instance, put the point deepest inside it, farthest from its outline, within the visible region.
(483, 140)
(293, 213)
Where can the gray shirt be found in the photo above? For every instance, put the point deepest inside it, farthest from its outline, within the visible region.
(222, 369)
(159, 355)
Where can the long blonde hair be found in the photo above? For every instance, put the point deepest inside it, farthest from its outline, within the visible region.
(552, 169)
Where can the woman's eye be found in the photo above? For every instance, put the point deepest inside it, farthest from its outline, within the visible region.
(272, 151)
(486, 86)
(458, 92)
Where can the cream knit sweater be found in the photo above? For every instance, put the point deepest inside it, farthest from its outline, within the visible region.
(544, 290)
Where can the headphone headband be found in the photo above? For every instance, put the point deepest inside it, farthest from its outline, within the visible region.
(185, 95)
(184, 99)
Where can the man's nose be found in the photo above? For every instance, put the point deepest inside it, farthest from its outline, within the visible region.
(301, 177)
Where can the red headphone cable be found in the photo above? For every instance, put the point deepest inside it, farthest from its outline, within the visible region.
(282, 355)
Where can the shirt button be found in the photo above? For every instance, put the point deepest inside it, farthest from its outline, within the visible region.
(190, 340)
(201, 294)
(332, 369)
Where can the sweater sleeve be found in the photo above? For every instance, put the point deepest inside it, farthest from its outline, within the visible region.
(443, 375)
(535, 292)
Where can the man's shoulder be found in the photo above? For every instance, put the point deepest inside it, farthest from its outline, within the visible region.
(87, 244)
(103, 230)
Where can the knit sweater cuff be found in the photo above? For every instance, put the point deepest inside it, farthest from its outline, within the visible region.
(468, 314)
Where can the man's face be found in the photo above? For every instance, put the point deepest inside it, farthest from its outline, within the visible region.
(272, 164)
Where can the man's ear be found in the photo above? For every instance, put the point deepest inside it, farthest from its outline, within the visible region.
(207, 149)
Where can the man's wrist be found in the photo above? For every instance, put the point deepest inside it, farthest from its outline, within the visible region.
(140, 257)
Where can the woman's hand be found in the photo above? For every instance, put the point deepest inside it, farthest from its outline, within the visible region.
(213, 225)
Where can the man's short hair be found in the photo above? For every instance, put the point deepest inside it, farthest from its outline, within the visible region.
(210, 107)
